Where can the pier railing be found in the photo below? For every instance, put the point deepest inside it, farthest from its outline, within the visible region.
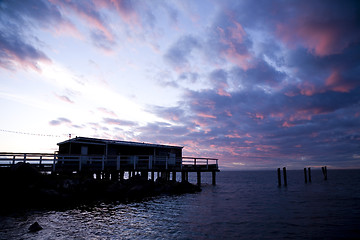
(59, 162)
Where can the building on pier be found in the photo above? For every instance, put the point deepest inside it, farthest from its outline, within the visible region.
(112, 158)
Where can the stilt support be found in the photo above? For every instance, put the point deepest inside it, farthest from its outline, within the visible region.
(199, 178)
(279, 177)
(214, 178)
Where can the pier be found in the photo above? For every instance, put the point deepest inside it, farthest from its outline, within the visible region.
(114, 167)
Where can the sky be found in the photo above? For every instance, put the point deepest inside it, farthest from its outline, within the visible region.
(256, 84)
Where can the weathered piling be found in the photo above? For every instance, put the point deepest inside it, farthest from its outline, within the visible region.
(199, 178)
(213, 178)
(324, 171)
(309, 172)
(285, 178)
(279, 177)
(305, 175)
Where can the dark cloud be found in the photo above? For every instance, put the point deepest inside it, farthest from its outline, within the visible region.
(13, 50)
(178, 55)
(16, 19)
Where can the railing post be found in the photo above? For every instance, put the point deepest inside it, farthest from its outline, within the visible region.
(134, 157)
(13, 160)
(54, 162)
(118, 163)
(40, 161)
(166, 162)
(24, 157)
(207, 163)
(194, 161)
(103, 163)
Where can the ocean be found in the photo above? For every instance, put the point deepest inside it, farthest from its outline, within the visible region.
(243, 205)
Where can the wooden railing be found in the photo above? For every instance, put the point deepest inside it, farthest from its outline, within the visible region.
(55, 162)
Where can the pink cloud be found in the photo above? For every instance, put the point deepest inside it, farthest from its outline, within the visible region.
(204, 115)
(14, 58)
(64, 98)
(336, 83)
(107, 111)
(287, 124)
(89, 15)
(123, 7)
(237, 34)
(322, 37)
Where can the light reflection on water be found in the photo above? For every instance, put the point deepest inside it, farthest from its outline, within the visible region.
(246, 205)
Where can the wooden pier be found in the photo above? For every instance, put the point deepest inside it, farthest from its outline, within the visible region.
(114, 167)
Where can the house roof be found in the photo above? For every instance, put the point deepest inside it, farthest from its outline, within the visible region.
(98, 141)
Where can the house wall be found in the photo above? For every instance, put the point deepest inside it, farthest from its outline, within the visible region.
(114, 149)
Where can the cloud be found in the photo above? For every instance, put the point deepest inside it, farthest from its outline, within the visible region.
(16, 52)
(178, 55)
(59, 121)
(64, 98)
(322, 27)
(107, 111)
(114, 121)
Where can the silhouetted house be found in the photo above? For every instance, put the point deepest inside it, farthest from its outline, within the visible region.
(122, 153)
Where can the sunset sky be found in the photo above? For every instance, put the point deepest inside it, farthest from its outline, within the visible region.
(257, 84)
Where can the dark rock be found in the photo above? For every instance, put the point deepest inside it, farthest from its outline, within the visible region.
(35, 227)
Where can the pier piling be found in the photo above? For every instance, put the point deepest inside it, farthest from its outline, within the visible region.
(199, 178)
(324, 171)
(213, 178)
(279, 177)
(305, 175)
(285, 178)
(309, 171)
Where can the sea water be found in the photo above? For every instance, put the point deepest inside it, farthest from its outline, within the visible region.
(243, 205)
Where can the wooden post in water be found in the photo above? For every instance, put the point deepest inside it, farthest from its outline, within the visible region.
(279, 177)
(305, 175)
(152, 175)
(285, 179)
(121, 176)
(324, 171)
(199, 178)
(213, 178)
(309, 171)
(183, 176)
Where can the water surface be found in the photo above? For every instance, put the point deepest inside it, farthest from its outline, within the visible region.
(243, 205)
